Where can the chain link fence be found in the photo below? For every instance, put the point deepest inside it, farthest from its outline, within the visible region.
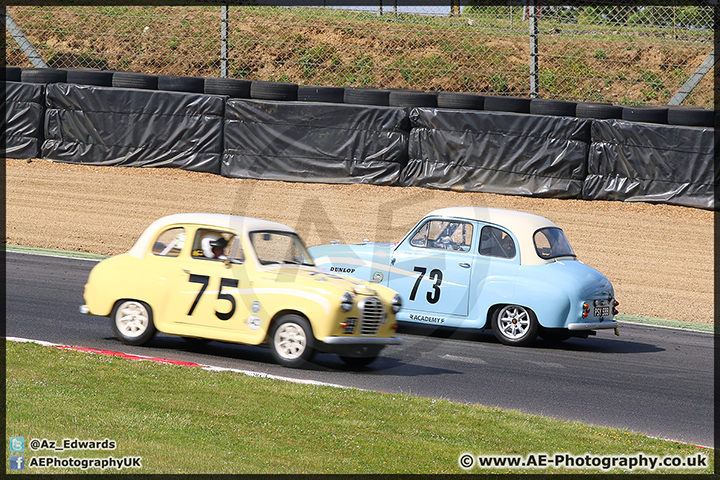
(602, 53)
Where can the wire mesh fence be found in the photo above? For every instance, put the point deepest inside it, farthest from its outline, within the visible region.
(602, 53)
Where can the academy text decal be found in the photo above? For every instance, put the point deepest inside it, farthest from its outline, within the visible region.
(426, 318)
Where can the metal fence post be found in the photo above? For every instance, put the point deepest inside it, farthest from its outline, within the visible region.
(534, 69)
(224, 32)
(22, 40)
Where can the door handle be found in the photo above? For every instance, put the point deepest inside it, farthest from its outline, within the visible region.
(186, 271)
(392, 261)
(464, 264)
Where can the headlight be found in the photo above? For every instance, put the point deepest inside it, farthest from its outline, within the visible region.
(396, 303)
(346, 302)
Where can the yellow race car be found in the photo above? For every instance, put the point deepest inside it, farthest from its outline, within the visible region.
(242, 280)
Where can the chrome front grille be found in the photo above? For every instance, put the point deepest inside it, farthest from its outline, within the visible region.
(372, 315)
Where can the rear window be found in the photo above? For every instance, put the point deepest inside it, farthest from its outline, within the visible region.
(552, 243)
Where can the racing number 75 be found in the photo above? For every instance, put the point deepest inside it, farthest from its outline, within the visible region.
(435, 274)
(204, 280)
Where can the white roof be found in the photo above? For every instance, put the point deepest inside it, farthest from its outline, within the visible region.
(522, 225)
(241, 225)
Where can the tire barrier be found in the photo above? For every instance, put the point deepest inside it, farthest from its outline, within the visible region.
(135, 80)
(133, 127)
(313, 93)
(463, 101)
(232, 87)
(314, 142)
(87, 76)
(276, 130)
(496, 152)
(181, 84)
(263, 90)
(43, 75)
(643, 162)
(23, 122)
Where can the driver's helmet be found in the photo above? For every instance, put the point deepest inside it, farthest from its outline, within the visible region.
(212, 240)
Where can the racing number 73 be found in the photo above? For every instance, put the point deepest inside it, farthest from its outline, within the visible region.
(435, 274)
(204, 280)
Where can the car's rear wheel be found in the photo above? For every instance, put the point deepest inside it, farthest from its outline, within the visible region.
(291, 341)
(132, 322)
(515, 325)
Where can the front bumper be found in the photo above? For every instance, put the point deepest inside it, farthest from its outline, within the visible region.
(361, 341)
(593, 326)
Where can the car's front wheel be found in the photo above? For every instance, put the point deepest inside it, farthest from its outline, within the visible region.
(515, 325)
(291, 341)
(132, 322)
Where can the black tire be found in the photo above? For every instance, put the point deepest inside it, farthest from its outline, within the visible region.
(135, 80)
(43, 75)
(292, 341)
(263, 90)
(132, 322)
(309, 93)
(555, 108)
(645, 114)
(11, 74)
(598, 111)
(367, 96)
(399, 98)
(514, 325)
(232, 87)
(691, 116)
(87, 76)
(181, 84)
(554, 335)
(465, 101)
(507, 104)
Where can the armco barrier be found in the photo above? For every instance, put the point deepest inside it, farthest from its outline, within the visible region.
(497, 152)
(314, 142)
(644, 162)
(133, 127)
(23, 122)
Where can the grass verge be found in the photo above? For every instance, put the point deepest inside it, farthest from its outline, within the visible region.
(189, 420)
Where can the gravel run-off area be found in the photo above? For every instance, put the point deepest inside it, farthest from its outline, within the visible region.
(658, 257)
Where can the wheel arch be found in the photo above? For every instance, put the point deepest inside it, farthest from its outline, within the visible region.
(287, 311)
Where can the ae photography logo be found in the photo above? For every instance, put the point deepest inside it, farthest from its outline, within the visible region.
(18, 445)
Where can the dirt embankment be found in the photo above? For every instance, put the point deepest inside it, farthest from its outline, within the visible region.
(658, 257)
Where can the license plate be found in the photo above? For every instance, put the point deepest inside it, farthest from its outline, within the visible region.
(601, 311)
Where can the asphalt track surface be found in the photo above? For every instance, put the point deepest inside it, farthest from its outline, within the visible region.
(652, 380)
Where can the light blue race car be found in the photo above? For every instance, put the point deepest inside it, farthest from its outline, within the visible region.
(476, 267)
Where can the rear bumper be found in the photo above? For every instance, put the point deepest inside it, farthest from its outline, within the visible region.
(593, 326)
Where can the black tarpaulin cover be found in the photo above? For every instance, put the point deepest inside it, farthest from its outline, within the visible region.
(643, 162)
(314, 142)
(23, 122)
(497, 152)
(133, 127)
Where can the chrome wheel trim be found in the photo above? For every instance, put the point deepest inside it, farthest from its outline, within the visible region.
(514, 322)
(132, 319)
(290, 341)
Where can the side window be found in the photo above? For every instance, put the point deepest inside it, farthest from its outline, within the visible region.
(445, 235)
(169, 243)
(496, 243)
(211, 244)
